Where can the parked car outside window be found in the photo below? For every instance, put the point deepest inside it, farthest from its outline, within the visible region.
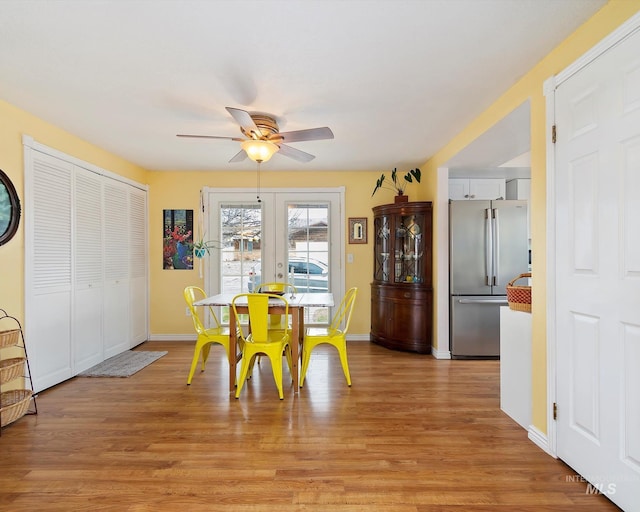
(309, 275)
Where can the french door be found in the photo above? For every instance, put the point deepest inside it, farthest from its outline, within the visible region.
(290, 235)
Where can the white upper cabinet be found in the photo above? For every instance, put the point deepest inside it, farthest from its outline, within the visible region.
(519, 189)
(477, 188)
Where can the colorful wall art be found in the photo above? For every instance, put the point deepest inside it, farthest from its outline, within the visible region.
(177, 240)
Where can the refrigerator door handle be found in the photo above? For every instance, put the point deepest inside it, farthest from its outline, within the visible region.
(483, 301)
(496, 248)
(488, 247)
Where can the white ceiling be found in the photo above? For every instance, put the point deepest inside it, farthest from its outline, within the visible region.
(394, 79)
(502, 151)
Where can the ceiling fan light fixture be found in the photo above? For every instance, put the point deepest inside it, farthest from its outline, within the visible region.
(259, 150)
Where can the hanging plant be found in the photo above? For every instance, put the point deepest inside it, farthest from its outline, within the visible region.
(203, 247)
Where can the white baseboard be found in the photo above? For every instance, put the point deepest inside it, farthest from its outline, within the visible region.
(539, 439)
(172, 337)
(440, 354)
(358, 337)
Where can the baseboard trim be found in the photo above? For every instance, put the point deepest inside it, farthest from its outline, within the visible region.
(440, 354)
(172, 337)
(540, 440)
(358, 337)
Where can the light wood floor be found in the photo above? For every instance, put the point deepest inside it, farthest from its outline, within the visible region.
(412, 435)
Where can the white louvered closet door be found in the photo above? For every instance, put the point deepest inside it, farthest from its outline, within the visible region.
(137, 266)
(86, 276)
(48, 290)
(116, 268)
(88, 263)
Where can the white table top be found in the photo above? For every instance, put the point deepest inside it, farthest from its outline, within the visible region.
(298, 300)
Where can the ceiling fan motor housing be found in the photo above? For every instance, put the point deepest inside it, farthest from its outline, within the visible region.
(267, 125)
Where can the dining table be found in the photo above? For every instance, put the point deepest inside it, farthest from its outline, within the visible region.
(297, 302)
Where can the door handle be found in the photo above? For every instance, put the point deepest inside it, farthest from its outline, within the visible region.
(488, 247)
(496, 248)
(481, 301)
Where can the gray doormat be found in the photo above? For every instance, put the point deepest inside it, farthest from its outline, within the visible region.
(124, 364)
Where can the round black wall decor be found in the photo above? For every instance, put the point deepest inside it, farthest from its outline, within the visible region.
(9, 209)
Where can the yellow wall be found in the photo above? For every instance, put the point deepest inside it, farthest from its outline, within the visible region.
(530, 87)
(13, 124)
(173, 190)
(181, 190)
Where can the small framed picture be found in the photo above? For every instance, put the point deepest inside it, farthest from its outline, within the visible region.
(357, 230)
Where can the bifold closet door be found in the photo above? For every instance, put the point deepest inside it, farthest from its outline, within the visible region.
(116, 268)
(48, 273)
(138, 259)
(88, 294)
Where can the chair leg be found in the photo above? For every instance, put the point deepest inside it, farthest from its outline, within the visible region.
(276, 367)
(205, 354)
(194, 363)
(244, 370)
(345, 364)
(287, 353)
(306, 355)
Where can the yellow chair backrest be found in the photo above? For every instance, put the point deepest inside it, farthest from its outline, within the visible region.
(275, 320)
(343, 314)
(276, 287)
(191, 295)
(258, 304)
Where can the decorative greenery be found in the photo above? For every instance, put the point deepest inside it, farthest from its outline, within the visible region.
(205, 245)
(398, 184)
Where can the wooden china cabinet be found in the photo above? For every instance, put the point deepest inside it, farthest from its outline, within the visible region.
(402, 287)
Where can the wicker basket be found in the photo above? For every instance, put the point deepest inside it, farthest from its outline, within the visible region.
(11, 369)
(519, 297)
(9, 338)
(14, 405)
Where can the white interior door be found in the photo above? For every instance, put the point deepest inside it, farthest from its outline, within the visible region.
(598, 272)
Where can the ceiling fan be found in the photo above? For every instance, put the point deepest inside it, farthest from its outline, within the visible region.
(263, 138)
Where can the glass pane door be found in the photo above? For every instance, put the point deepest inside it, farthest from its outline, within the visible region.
(308, 257)
(290, 236)
(241, 229)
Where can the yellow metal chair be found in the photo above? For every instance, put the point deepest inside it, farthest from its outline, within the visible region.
(215, 334)
(261, 339)
(276, 287)
(332, 335)
(276, 321)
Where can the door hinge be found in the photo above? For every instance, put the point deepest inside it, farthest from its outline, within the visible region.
(555, 411)
(553, 134)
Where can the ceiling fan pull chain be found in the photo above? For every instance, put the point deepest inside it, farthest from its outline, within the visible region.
(258, 184)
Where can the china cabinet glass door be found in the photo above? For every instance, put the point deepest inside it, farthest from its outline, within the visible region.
(382, 248)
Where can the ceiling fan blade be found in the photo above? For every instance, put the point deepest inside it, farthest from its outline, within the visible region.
(243, 118)
(310, 134)
(294, 153)
(208, 137)
(239, 157)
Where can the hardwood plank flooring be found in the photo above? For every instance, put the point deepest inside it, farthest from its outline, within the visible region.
(412, 434)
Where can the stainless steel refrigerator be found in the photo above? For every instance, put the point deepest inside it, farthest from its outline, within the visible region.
(488, 247)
